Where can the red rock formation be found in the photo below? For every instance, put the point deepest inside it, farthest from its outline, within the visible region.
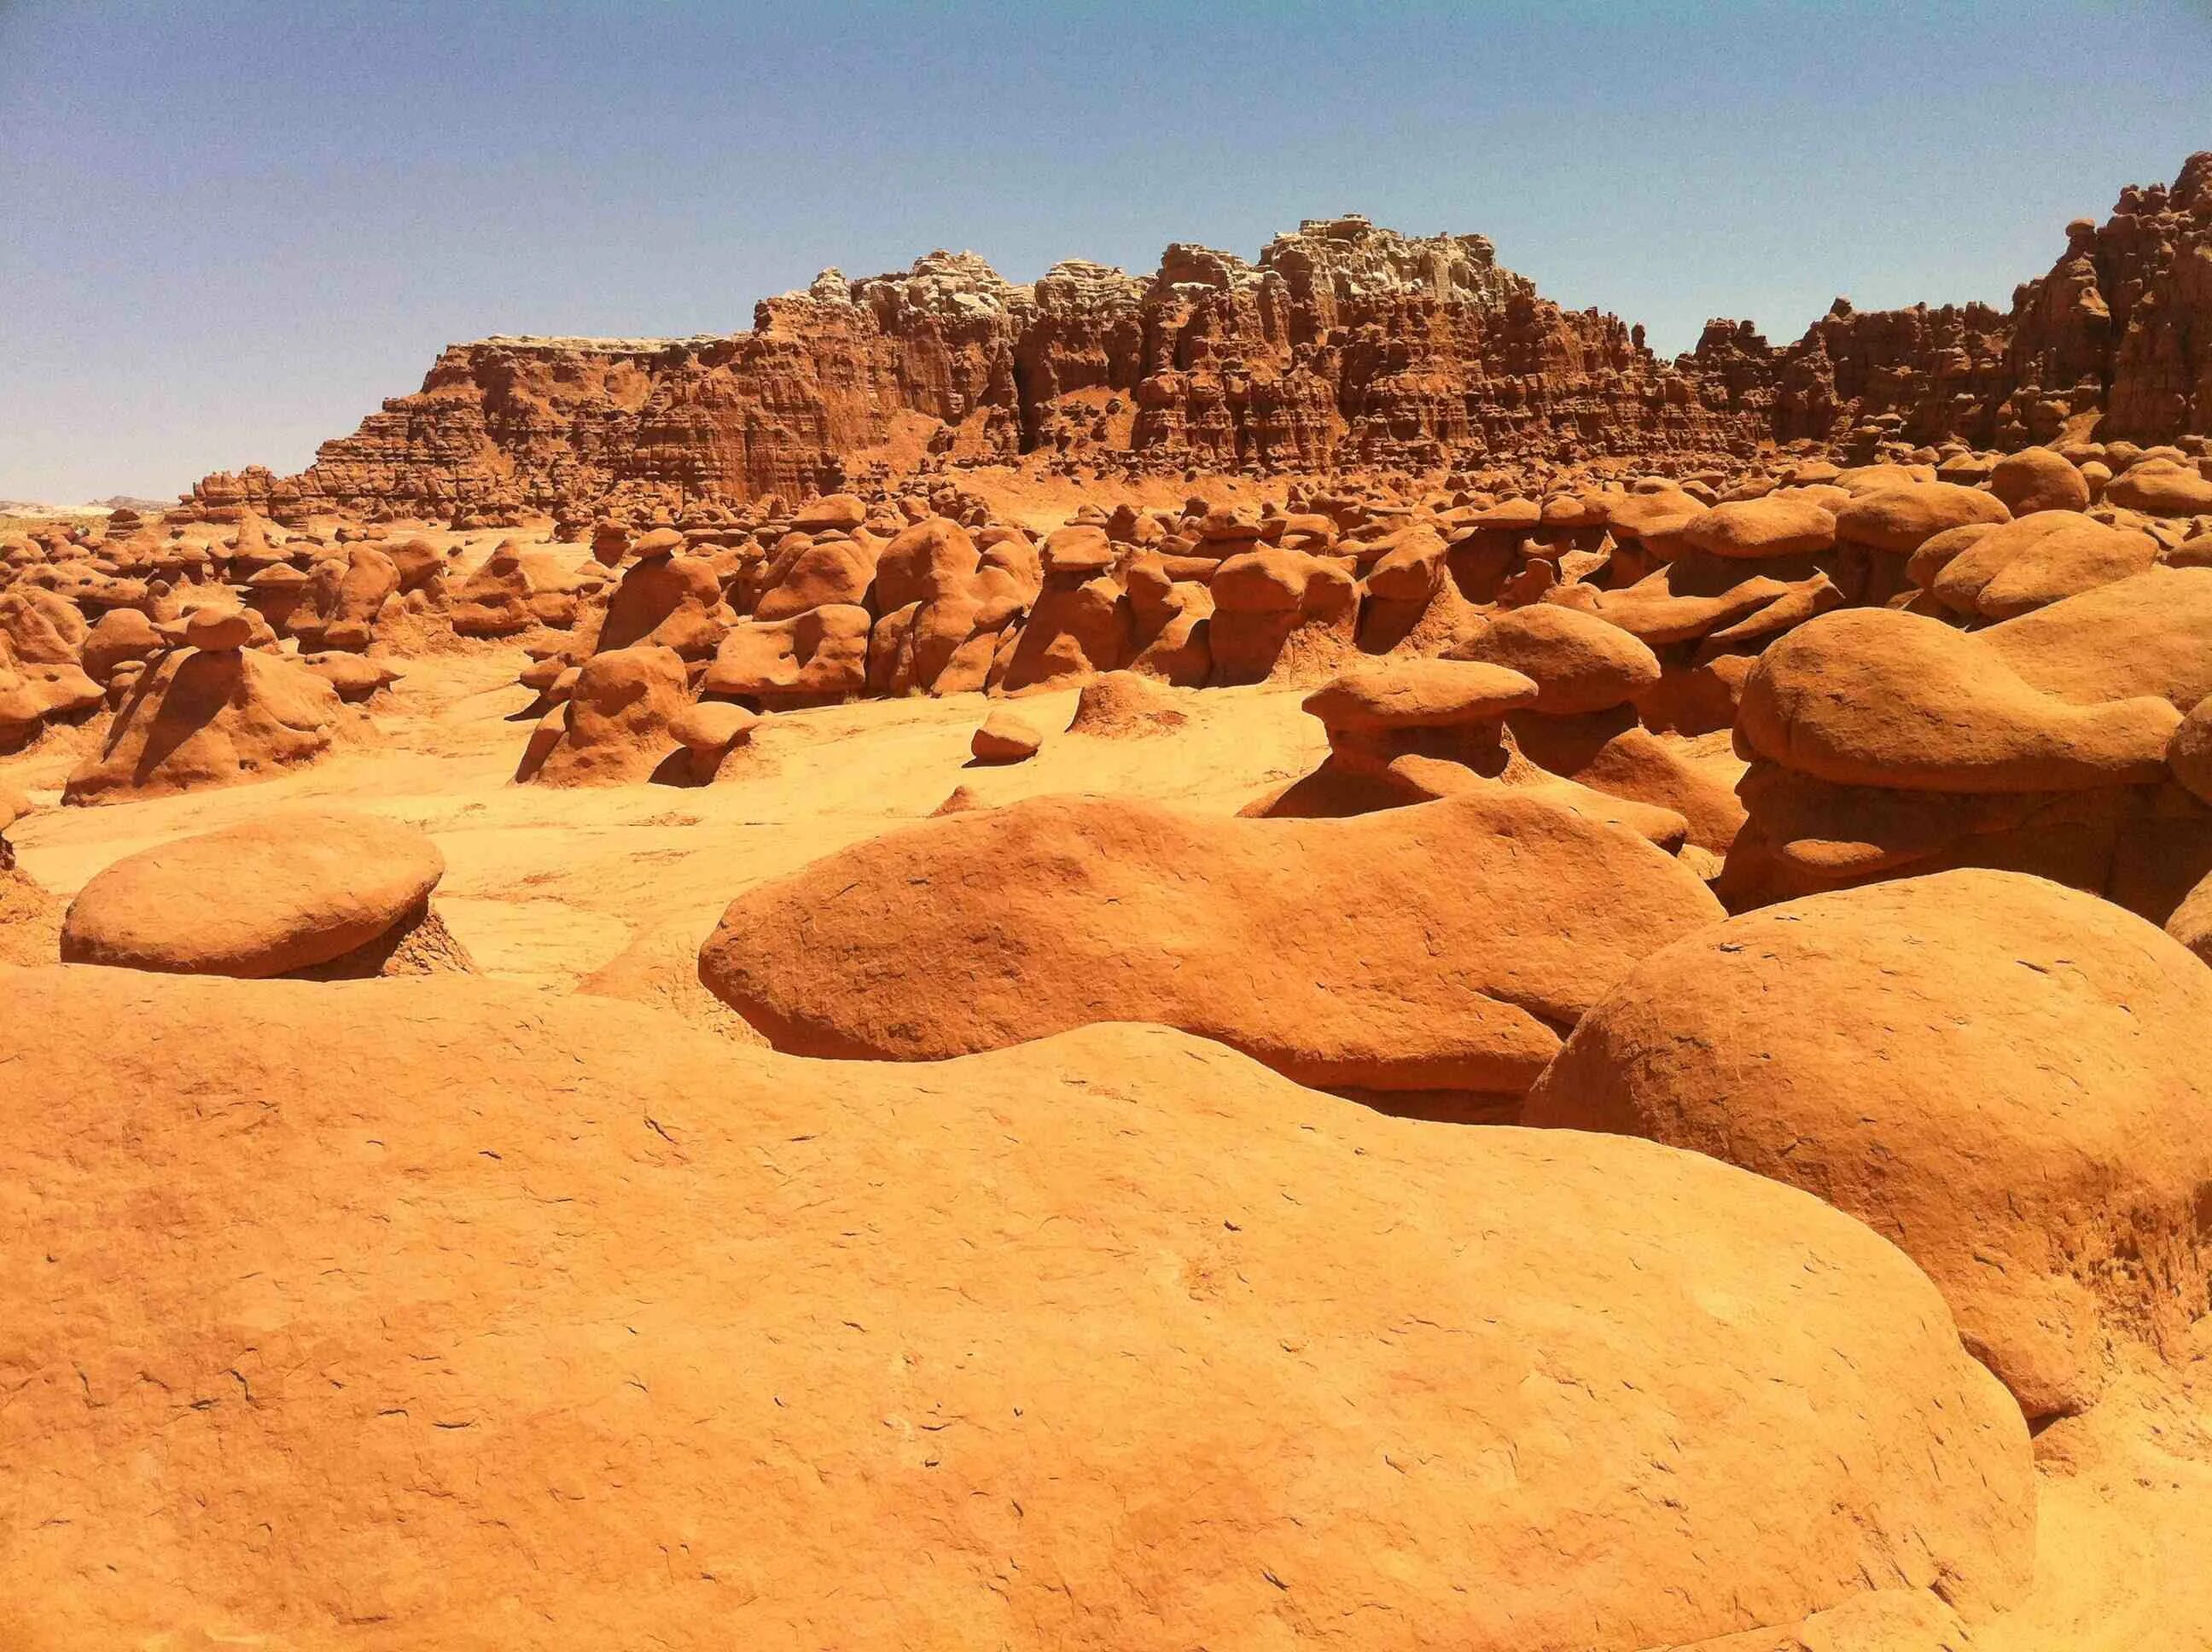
(1346, 344)
(2121, 326)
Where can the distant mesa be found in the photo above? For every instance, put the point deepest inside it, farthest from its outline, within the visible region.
(1346, 344)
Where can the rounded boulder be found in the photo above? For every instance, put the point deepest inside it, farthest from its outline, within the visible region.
(2001, 1075)
(1578, 662)
(283, 892)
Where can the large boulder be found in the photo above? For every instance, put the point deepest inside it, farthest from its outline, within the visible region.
(268, 896)
(33, 697)
(818, 656)
(2161, 488)
(2039, 479)
(1082, 624)
(1317, 947)
(2001, 1074)
(1898, 519)
(525, 1324)
(2030, 563)
(945, 608)
(2142, 635)
(514, 590)
(1579, 662)
(654, 591)
(1778, 524)
(1873, 696)
(829, 572)
(42, 626)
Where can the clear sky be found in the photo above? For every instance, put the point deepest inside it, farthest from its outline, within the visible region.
(228, 230)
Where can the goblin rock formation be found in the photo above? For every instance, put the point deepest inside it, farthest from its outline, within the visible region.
(1346, 344)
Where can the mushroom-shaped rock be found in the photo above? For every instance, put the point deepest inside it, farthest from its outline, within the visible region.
(2038, 479)
(269, 896)
(832, 513)
(196, 719)
(1078, 548)
(1005, 737)
(1655, 520)
(276, 593)
(987, 929)
(1778, 524)
(1227, 528)
(711, 727)
(215, 630)
(708, 731)
(1281, 613)
(1538, 1333)
(1898, 519)
(1410, 570)
(1578, 662)
(1419, 694)
(1872, 696)
(2001, 1074)
(2034, 561)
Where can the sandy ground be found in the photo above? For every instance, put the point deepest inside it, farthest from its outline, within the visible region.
(612, 891)
(553, 886)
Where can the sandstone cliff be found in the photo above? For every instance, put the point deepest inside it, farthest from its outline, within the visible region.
(1344, 345)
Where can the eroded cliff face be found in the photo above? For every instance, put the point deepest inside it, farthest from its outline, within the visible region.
(2121, 326)
(1344, 345)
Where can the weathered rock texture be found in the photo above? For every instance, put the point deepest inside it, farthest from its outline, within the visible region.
(1316, 946)
(1345, 343)
(391, 1314)
(1997, 1073)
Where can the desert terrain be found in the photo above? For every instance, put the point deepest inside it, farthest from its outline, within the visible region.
(1286, 954)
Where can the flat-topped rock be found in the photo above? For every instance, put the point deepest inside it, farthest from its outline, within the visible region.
(1419, 694)
(1005, 737)
(280, 893)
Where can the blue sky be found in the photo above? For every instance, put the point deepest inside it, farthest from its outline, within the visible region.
(227, 231)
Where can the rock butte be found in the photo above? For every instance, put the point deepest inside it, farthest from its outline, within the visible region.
(913, 796)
